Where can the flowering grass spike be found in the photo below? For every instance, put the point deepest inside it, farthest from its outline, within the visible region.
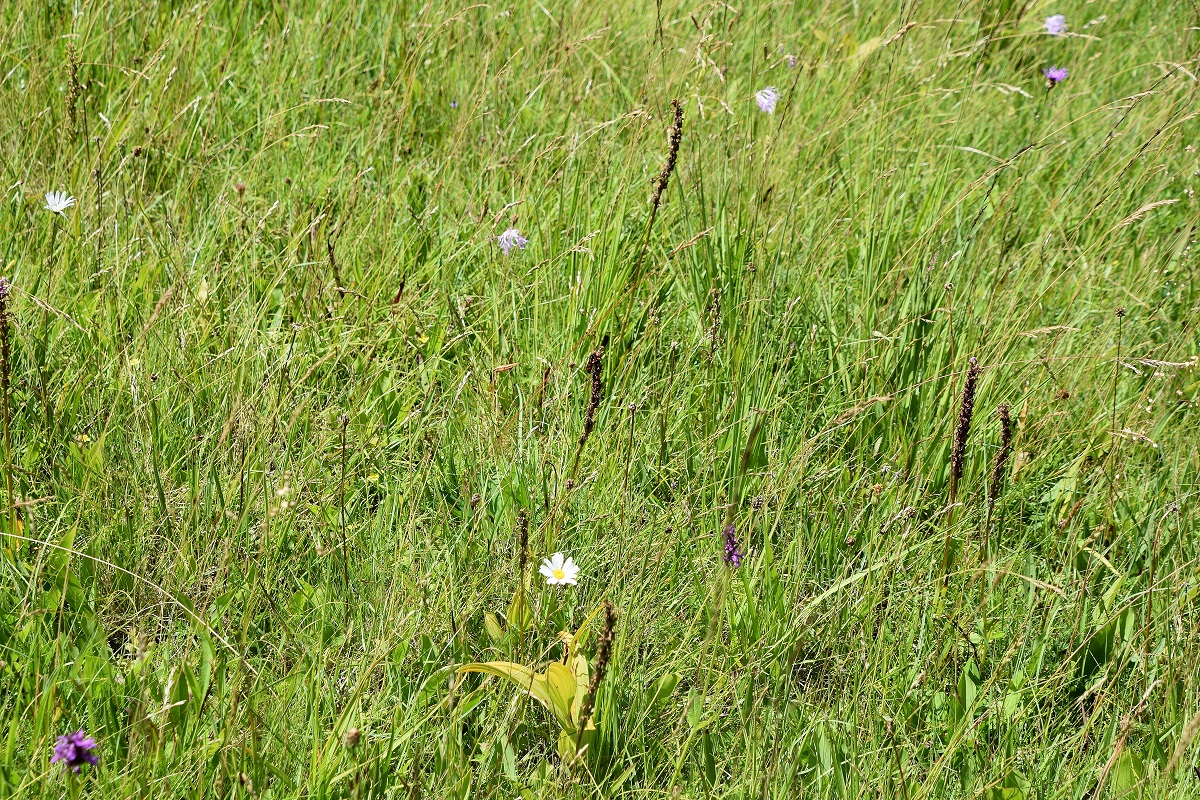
(559, 570)
(74, 750)
(59, 202)
(511, 238)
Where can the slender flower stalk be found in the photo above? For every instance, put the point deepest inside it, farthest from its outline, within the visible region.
(5, 373)
(599, 669)
(958, 452)
(962, 428)
(996, 484)
(74, 90)
(1006, 432)
(595, 368)
(664, 178)
(673, 140)
(522, 546)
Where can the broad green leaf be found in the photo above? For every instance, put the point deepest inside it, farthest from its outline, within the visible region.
(579, 666)
(530, 682)
(1105, 644)
(569, 741)
(560, 684)
(492, 626)
(1127, 773)
(663, 688)
(519, 614)
(1110, 596)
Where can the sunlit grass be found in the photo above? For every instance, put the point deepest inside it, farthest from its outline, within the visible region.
(356, 298)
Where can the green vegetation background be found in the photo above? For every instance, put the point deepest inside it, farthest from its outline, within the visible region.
(277, 397)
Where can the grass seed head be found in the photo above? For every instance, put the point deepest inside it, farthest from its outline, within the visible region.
(1006, 432)
(673, 140)
(962, 429)
(595, 368)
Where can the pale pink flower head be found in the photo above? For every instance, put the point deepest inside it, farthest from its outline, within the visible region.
(511, 238)
(766, 99)
(1056, 25)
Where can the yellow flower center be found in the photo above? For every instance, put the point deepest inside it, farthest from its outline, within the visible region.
(559, 574)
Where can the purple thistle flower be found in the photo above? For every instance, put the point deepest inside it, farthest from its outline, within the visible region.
(766, 99)
(733, 556)
(511, 238)
(1055, 76)
(74, 750)
(1056, 25)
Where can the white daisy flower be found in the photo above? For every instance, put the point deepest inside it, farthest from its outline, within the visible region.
(560, 570)
(58, 202)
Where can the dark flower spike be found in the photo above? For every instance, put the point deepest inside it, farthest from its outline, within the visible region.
(962, 428)
(733, 554)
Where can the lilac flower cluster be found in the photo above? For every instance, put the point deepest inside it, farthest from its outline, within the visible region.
(1055, 75)
(766, 99)
(1056, 25)
(511, 238)
(74, 750)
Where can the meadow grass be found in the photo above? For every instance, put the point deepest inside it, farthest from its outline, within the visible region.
(281, 411)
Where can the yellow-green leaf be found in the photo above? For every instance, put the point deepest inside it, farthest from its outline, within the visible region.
(560, 684)
(492, 625)
(579, 666)
(664, 687)
(530, 682)
(519, 614)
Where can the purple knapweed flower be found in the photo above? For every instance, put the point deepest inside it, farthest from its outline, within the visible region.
(733, 556)
(511, 238)
(74, 750)
(791, 61)
(1056, 25)
(1055, 76)
(766, 99)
